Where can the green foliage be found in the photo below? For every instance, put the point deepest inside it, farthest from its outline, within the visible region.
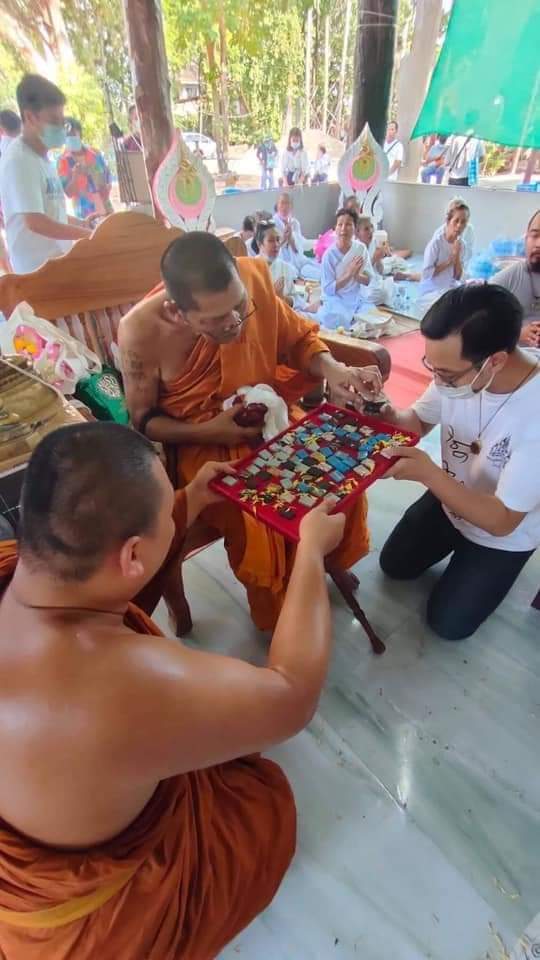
(85, 102)
(97, 35)
(264, 52)
(497, 159)
(12, 66)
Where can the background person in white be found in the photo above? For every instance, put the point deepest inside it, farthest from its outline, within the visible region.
(482, 507)
(523, 280)
(37, 225)
(394, 151)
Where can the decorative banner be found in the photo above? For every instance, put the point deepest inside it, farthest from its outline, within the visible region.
(183, 188)
(361, 171)
(487, 79)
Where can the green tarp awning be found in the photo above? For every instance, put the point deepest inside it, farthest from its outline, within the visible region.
(487, 78)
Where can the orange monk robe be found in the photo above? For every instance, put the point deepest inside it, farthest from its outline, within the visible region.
(204, 857)
(274, 343)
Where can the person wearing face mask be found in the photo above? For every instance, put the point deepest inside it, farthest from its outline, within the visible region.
(85, 176)
(37, 224)
(10, 128)
(445, 253)
(216, 325)
(295, 161)
(482, 507)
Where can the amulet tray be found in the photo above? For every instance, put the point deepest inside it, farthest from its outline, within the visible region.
(329, 453)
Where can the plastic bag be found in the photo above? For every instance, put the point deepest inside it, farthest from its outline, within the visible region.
(57, 358)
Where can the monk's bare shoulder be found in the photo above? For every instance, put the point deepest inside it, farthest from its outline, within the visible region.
(142, 326)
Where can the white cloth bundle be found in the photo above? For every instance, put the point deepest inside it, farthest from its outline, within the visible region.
(276, 419)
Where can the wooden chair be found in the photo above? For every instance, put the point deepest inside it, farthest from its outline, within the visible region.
(87, 291)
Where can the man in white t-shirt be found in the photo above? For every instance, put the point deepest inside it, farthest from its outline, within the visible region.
(394, 151)
(31, 195)
(523, 280)
(482, 508)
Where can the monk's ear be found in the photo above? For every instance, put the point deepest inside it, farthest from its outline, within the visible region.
(172, 312)
(130, 560)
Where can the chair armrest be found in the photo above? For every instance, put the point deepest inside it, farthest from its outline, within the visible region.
(357, 353)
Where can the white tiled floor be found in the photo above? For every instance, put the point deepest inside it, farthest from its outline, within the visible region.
(417, 784)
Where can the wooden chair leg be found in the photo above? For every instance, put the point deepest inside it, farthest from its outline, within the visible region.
(175, 598)
(347, 583)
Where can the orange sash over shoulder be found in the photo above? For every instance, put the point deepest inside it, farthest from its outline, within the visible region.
(276, 347)
(204, 857)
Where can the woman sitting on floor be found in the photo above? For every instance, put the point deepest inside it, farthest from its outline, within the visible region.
(384, 259)
(444, 255)
(467, 237)
(292, 241)
(349, 282)
(267, 245)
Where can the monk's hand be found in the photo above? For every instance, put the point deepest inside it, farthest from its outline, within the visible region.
(321, 533)
(198, 492)
(413, 464)
(223, 430)
(354, 384)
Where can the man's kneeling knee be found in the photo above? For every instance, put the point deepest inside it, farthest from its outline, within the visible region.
(393, 566)
(447, 623)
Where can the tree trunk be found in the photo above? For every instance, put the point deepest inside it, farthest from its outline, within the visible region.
(217, 126)
(326, 72)
(374, 58)
(309, 44)
(517, 158)
(150, 80)
(223, 87)
(531, 164)
(414, 75)
(343, 71)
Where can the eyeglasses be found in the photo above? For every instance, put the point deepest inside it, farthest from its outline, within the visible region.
(452, 380)
(243, 314)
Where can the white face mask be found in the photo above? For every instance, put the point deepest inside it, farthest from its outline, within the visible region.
(295, 144)
(467, 391)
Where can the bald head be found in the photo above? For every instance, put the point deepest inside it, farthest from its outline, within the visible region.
(532, 243)
(87, 489)
(197, 263)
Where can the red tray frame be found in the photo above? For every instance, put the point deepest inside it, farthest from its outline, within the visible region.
(290, 528)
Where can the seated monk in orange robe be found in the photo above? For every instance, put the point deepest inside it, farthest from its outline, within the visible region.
(137, 820)
(216, 326)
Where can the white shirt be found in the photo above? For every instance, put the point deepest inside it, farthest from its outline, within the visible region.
(508, 464)
(394, 151)
(295, 161)
(322, 164)
(29, 183)
(525, 285)
(437, 251)
(460, 154)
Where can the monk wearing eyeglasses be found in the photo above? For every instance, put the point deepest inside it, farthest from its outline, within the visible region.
(217, 325)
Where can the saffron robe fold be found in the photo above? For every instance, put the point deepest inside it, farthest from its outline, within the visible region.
(203, 858)
(276, 347)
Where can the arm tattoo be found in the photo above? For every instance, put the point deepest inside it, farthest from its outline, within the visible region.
(134, 367)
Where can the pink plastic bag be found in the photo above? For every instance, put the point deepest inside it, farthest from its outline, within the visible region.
(324, 241)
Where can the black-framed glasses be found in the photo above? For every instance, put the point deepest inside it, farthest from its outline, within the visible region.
(451, 381)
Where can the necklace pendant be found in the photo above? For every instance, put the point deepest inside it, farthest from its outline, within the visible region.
(476, 447)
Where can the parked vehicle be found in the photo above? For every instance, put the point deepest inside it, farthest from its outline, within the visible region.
(205, 144)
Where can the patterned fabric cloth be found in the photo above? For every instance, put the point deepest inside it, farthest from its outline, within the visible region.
(89, 191)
